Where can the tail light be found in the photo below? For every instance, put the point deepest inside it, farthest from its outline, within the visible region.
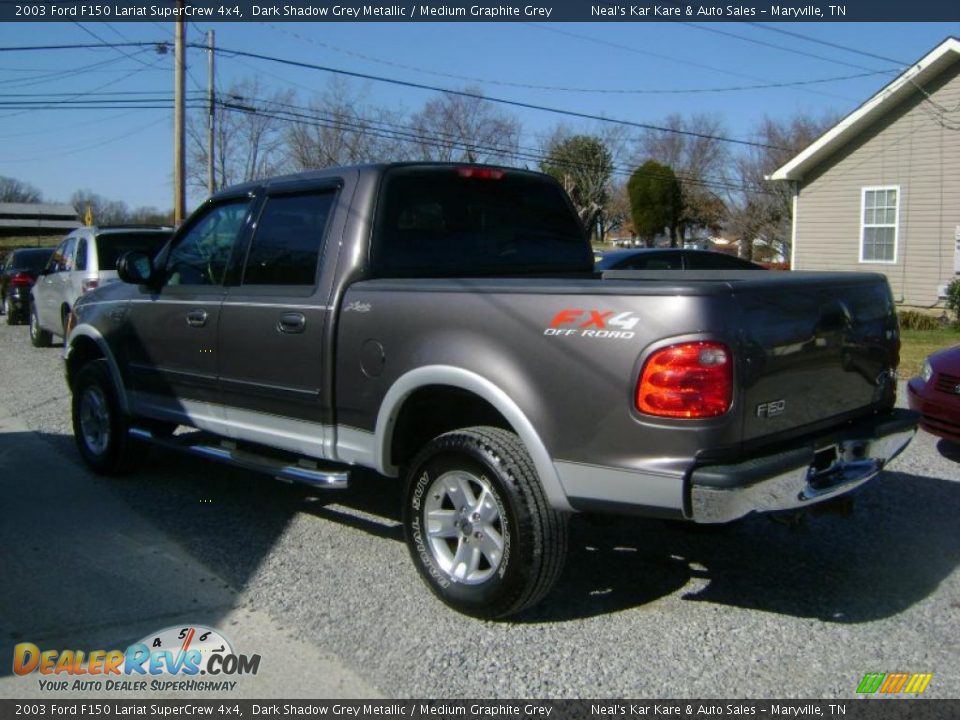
(21, 279)
(89, 284)
(690, 380)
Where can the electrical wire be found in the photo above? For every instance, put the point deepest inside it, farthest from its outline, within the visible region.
(554, 88)
(480, 96)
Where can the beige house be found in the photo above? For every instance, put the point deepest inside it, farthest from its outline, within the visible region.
(880, 191)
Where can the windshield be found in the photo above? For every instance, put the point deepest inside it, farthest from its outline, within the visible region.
(471, 221)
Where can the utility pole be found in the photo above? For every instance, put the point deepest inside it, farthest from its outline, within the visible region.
(179, 154)
(211, 117)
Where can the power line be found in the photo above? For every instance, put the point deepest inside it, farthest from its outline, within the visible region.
(300, 111)
(480, 96)
(779, 47)
(690, 63)
(74, 151)
(827, 43)
(410, 135)
(555, 88)
(94, 35)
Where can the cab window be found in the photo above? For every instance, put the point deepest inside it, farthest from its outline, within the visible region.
(202, 252)
(289, 238)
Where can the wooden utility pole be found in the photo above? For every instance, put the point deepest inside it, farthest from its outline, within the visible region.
(211, 117)
(179, 154)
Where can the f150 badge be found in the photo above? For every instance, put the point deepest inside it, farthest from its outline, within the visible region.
(593, 324)
(771, 409)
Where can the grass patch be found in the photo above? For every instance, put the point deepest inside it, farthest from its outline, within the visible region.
(917, 344)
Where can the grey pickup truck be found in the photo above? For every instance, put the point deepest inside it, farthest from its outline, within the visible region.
(443, 324)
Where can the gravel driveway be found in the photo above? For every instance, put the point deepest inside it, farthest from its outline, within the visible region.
(644, 609)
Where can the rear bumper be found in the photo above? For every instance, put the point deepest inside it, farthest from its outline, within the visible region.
(825, 468)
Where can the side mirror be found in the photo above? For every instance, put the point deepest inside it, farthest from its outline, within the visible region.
(136, 268)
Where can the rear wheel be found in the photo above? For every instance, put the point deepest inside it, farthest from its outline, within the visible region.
(99, 426)
(38, 336)
(9, 311)
(478, 526)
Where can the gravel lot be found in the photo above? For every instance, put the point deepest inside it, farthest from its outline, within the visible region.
(644, 608)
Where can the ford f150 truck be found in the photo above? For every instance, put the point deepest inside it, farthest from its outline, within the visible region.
(443, 324)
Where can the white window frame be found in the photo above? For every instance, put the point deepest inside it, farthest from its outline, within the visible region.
(864, 225)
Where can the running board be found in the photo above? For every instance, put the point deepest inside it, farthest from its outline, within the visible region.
(300, 470)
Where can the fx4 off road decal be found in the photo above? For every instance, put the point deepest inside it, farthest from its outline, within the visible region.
(593, 324)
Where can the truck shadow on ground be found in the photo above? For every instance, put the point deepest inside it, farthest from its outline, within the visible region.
(900, 542)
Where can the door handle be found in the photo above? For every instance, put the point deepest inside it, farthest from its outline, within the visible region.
(197, 318)
(292, 322)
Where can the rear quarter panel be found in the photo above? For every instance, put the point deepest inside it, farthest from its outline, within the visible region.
(567, 355)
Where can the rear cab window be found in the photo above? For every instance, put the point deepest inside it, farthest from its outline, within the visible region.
(475, 221)
(110, 246)
(288, 241)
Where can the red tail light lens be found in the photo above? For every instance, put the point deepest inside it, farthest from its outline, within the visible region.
(89, 284)
(691, 380)
(21, 279)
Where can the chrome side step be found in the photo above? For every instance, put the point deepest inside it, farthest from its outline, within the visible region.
(288, 469)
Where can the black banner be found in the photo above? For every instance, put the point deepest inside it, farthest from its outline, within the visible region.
(599, 11)
(873, 709)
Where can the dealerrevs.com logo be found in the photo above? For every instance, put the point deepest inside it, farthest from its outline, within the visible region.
(192, 658)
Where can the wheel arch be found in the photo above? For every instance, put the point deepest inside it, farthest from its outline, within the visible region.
(86, 344)
(486, 403)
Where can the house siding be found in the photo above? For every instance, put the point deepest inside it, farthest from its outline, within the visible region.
(915, 146)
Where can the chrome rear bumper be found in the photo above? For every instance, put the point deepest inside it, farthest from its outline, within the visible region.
(801, 477)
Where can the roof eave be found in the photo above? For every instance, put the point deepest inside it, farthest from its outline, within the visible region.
(927, 67)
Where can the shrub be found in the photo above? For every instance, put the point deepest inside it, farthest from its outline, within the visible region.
(953, 300)
(913, 320)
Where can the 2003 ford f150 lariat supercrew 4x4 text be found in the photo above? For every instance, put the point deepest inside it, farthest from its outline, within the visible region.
(443, 324)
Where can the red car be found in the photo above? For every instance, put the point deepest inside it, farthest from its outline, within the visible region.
(935, 393)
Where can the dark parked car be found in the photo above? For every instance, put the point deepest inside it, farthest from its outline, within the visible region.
(18, 273)
(935, 393)
(672, 259)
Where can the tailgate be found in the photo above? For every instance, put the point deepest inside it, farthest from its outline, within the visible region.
(816, 347)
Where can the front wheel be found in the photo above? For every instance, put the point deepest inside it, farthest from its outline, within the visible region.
(100, 427)
(478, 525)
(38, 336)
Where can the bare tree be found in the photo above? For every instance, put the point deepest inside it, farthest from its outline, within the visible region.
(761, 214)
(616, 213)
(102, 210)
(248, 138)
(340, 128)
(17, 191)
(692, 149)
(459, 128)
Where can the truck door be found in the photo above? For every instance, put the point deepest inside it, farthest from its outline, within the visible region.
(172, 362)
(273, 357)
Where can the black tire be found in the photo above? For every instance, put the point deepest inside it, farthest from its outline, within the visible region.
(8, 310)
(99, 424)
(38, 336)
(513, 515)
